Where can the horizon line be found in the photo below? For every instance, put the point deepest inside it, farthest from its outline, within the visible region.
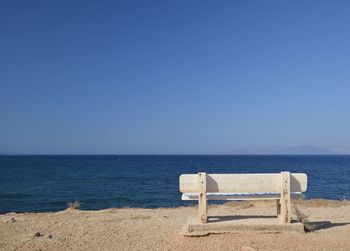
(176, 154)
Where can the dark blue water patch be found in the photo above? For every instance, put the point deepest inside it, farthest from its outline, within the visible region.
(48, 183)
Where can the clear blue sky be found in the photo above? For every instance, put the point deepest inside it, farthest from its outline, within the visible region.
(173, 76)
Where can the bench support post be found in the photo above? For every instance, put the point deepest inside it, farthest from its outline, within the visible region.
(278, 207)
(202, 197)
(285, 198)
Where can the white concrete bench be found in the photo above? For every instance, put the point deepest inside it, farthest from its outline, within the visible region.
(269, 186)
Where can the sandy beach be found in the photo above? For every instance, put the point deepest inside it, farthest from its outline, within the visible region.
(159, 229)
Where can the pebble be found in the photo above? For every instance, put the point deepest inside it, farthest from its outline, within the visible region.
(247, 248)
(37, 234)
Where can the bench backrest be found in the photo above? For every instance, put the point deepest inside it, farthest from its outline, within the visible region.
(243, 183)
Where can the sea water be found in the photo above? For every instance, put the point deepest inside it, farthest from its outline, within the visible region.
(48, 183)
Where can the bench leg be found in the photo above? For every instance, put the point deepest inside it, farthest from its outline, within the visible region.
(278, 207)
(202, 198)
(285, 198)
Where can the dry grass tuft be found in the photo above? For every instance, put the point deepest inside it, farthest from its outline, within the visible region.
(74, 205)
(303, 219)
(139, 217)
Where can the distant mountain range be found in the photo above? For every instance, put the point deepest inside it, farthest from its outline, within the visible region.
(7, 153)
(297, 150)
(301, 149)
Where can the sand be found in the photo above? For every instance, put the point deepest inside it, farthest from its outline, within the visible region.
(158, 229)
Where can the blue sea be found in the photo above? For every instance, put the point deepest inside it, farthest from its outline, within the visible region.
(47, 183)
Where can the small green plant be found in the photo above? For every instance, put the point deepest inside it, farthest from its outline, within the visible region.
(303, 219)
(74, 205)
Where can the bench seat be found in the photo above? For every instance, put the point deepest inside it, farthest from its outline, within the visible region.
(240, 196)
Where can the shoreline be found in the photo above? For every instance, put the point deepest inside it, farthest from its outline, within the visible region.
(310, 202)
(159, 228)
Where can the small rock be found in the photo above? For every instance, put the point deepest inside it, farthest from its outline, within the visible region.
(247, 248)
(50, 236)
(13, 220)
(38, 234)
